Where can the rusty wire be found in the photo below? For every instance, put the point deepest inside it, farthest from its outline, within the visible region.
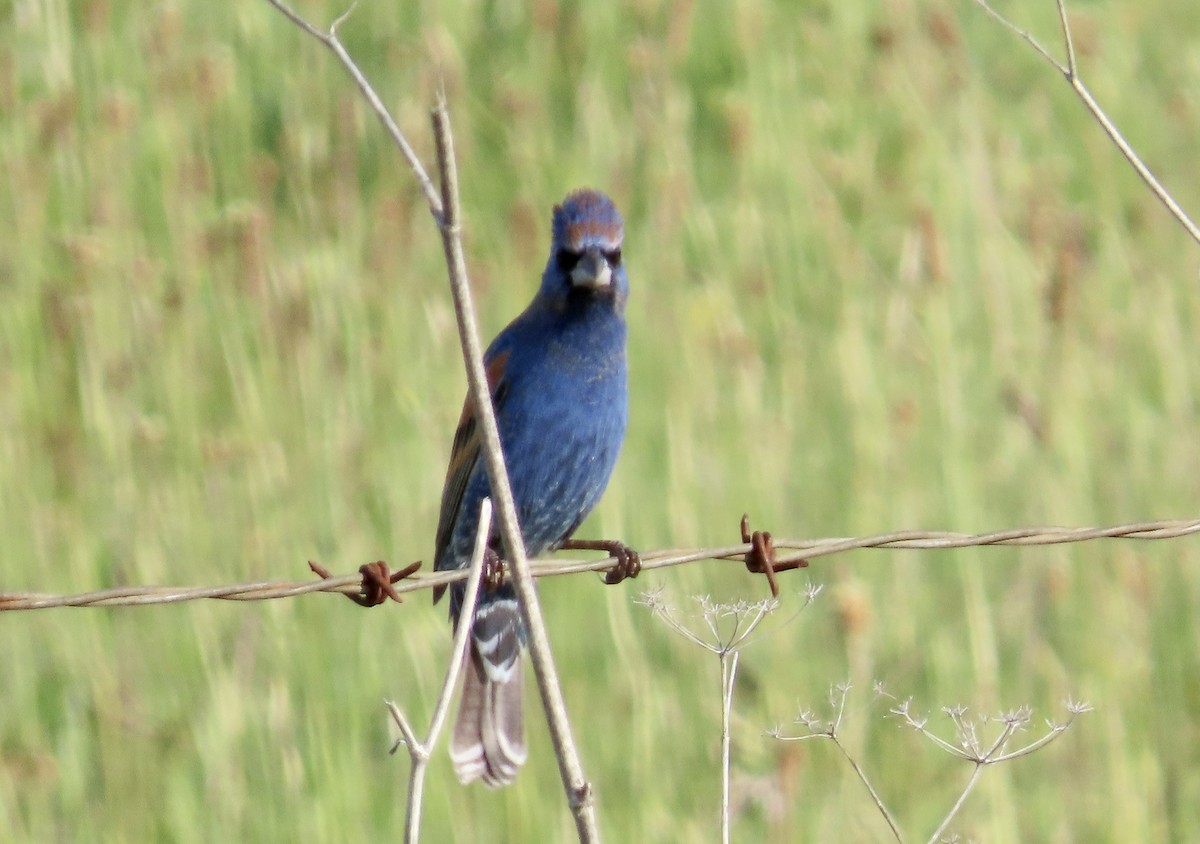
(786, 550)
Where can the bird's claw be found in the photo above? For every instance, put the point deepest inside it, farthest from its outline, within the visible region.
(493, 571)
(629, 564)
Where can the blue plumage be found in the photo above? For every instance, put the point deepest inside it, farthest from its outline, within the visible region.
(558, 380)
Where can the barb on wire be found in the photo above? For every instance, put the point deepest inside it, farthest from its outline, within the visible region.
(761, 558)
(799, 549)
(378, 581)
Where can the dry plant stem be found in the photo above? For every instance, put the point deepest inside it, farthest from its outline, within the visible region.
(1070, 72)
(578, 790)
(726, 639)
(832, 734)
(330, 40)
(958, 804)
(980, 763)
(729, 666)
(969, 747)
(862, 776)
(421, 751)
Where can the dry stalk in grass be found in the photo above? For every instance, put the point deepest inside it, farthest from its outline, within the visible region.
(967, 745)
(421, 751)
(818, 728)
(1070, 72)
(725, 630)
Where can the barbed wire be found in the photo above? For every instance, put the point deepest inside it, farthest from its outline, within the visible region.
(799, 550)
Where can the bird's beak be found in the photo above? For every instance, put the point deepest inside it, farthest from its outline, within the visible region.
(592, 271)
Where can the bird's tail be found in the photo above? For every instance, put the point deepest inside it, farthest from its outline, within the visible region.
(489, 736)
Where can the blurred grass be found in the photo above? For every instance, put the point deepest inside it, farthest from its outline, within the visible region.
(886, 275)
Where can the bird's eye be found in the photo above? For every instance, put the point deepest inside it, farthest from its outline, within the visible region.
(613, 256)
(567, 259)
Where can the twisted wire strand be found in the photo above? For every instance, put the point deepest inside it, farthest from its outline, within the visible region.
(798, 549)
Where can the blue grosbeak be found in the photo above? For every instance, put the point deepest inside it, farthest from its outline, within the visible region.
(558, 383)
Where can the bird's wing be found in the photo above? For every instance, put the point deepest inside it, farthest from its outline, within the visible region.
(464, 455)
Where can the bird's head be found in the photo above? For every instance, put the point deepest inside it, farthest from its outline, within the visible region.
(585, 254)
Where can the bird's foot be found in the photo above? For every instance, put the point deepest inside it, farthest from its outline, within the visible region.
(628, 564)
(493, 571)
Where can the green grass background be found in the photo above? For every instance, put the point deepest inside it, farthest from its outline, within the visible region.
(886, 274)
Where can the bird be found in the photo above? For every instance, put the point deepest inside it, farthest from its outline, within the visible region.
(557, 375)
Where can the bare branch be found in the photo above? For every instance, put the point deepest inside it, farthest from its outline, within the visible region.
(971, 749)
(829, 730)
(729, 666)
(421, 751)
(330, 40)
(1072, 68)
(1070, 72)
(730, 628)
(958, 804)
(1026, 36)
(579, 791)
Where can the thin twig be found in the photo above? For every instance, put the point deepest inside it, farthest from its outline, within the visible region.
(968, 746)
(330, 40)
(1070, 72)
(980, 760)
(579, 792)
(263, 590)
(421, 751)
(830, 730)
(862, 777)
(730, 628)
(958, 804)
(729, 666)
